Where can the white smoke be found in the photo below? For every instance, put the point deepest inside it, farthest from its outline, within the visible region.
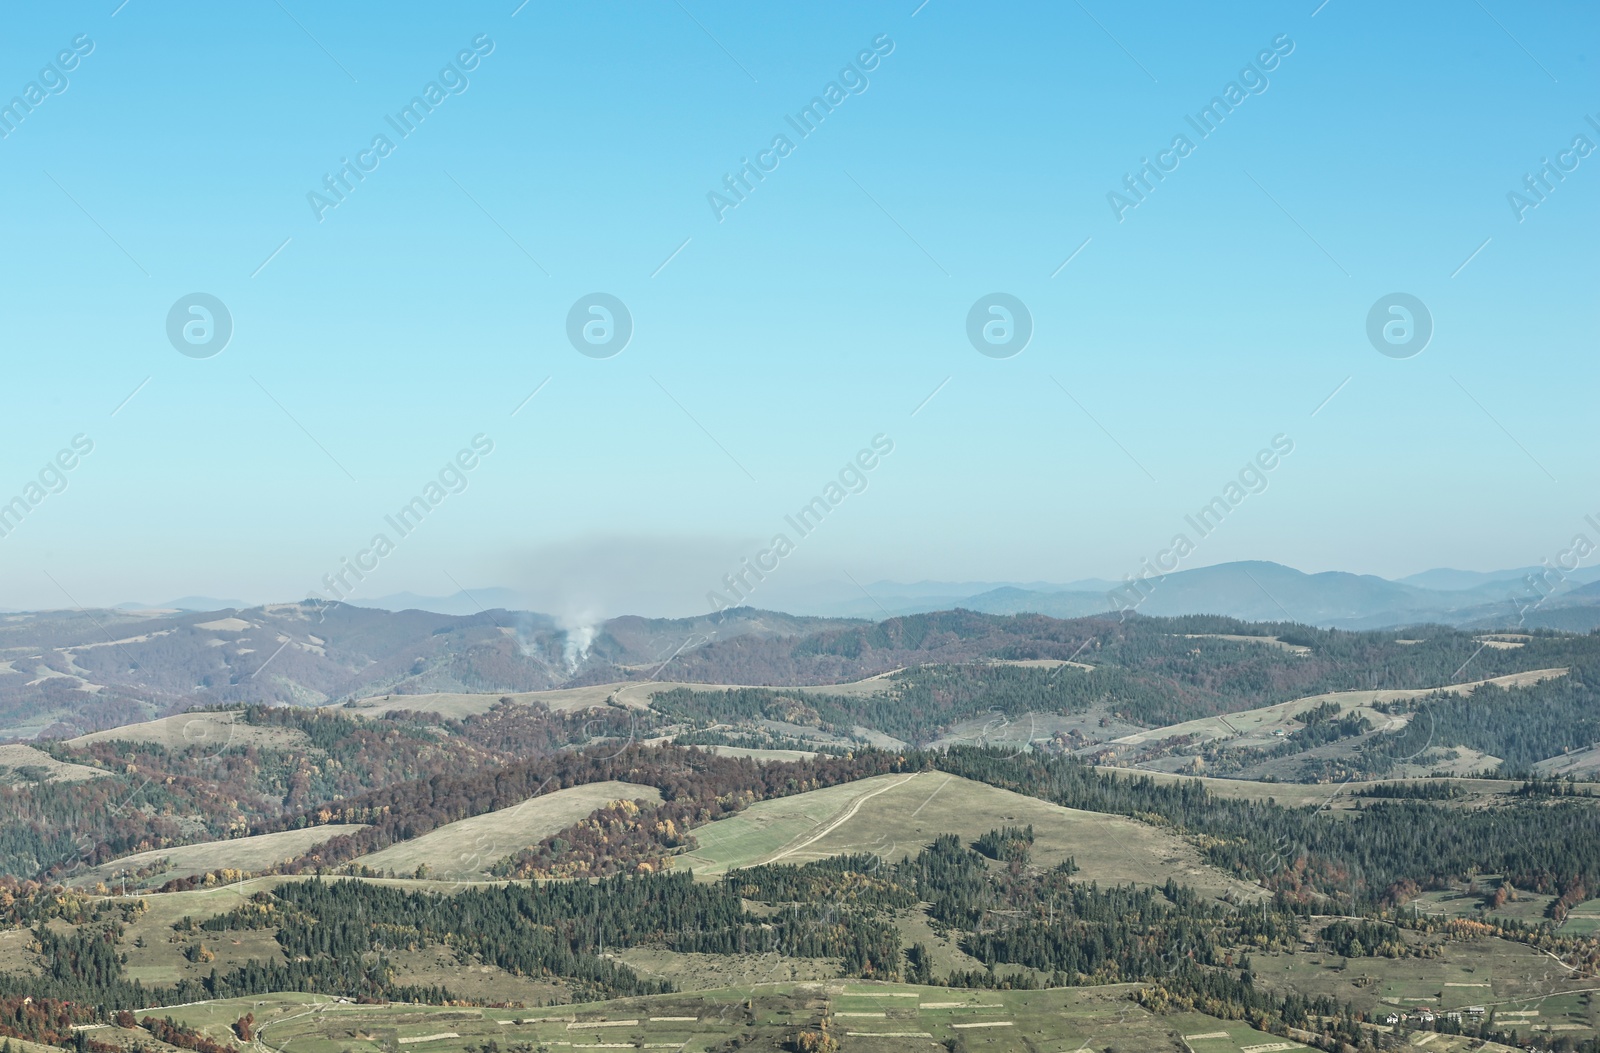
(579, 638)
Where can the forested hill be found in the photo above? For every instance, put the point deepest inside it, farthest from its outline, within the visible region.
(66, 673)
(1156, 671)
(63, 673)
(254, 769)
(1200, 654)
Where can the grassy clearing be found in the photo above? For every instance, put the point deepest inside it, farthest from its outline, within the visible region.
(1268, 641)
(881, 684)
(453, 705)
(1504, 641)
(1259, 727)
(635, 694)
(467, 848)
(759, 755)
(766, 827)
(1529, 907)
(20, 763)
(1039, 663)
(1024, 730)
(1584, 763)
(897, 815)
(242, 853)
(214, 731)
(1256, 727)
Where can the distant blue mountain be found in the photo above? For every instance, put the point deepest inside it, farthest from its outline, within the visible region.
(468, 601)
(1264, 591)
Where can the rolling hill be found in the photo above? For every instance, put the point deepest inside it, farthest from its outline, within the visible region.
(67, 673)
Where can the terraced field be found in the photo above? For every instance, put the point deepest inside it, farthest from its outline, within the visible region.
(861, 1016)
(1513, 979)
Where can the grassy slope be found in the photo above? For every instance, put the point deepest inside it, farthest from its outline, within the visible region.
(467, 848)
(242, 853)
(213, 731)
(1255, 726)
(635, 694)
(896, 815)
(16, 755)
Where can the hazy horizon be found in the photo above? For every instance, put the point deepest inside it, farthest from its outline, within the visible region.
(833, 598)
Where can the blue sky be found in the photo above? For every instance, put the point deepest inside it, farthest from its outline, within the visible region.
(772, 343)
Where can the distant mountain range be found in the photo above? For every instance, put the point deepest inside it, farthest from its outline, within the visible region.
(67, 672)
(1253, 590)
(1262, 591)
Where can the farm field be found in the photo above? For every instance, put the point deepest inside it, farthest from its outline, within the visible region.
(1509, 977)
(1584, 920)
(863, 1016)
(465, 849)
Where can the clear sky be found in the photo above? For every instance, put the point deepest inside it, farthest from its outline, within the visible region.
(166, 149)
